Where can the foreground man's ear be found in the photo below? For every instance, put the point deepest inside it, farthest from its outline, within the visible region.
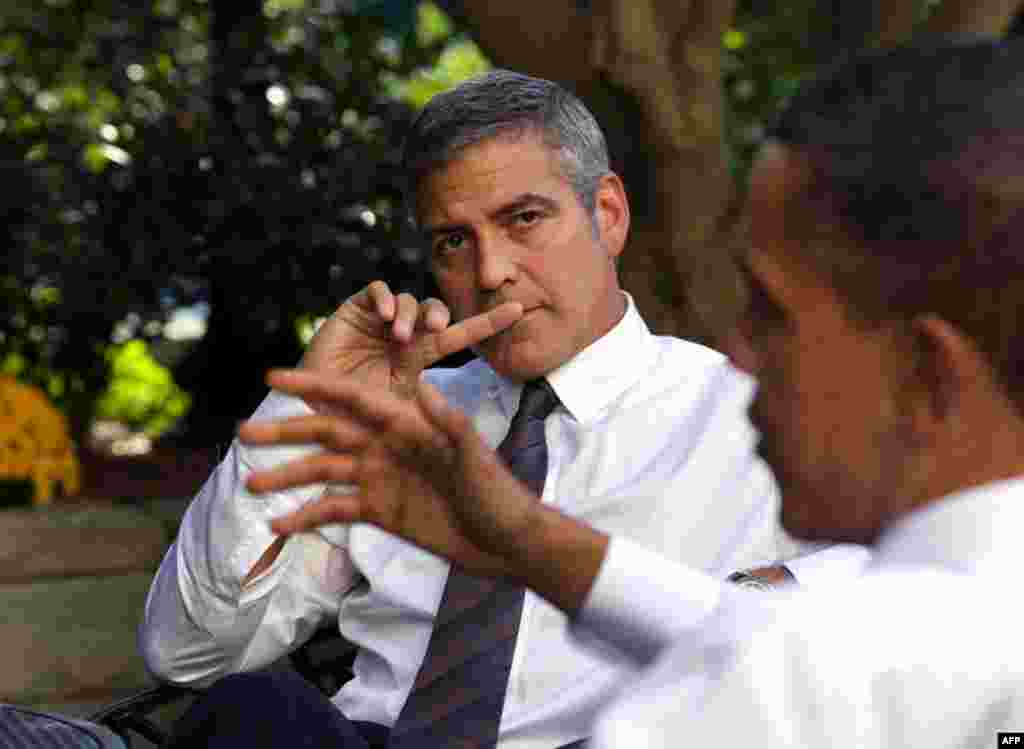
(948, 368)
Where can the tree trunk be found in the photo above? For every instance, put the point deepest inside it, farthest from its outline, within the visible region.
(991, 17)
(896, 21)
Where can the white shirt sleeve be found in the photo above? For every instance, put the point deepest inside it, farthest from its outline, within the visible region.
(200, 622)
(829, 565)
(913, 656)
(641, 601)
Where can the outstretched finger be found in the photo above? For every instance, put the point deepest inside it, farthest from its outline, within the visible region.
(375, 409)
(333, 432)
(330, 508)
(323, 468)
(470, 331)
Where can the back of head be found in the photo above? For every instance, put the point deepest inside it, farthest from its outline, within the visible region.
(502, 103)
(914, 164)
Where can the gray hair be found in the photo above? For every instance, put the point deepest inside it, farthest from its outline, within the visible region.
(504, 103)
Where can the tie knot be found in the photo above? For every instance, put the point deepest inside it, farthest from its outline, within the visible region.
(538, 399)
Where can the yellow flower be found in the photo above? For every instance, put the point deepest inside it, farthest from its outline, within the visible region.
(34, 441)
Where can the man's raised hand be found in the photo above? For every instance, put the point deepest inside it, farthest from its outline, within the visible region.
(387, 340)
(414, 468)
(418, 469)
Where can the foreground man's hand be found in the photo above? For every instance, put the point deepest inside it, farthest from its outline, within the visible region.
(387, 340)
(421, 471)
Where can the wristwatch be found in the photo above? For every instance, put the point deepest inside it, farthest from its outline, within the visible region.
(763, 578)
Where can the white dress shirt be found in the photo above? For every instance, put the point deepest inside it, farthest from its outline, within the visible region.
(922, 649)
(651, 443)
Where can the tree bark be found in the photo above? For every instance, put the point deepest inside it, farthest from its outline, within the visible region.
(897, 21)
(986, 17)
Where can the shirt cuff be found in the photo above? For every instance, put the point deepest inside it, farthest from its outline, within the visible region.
(640, 601)
(275, 407)
(829, 565)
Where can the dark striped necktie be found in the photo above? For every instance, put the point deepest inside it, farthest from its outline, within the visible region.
(459, 692)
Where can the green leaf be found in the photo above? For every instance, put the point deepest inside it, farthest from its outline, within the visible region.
(734, 39)
(432, 25)
(13, 364)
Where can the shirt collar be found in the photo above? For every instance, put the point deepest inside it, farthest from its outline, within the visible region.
(598, 374)
(960, 530)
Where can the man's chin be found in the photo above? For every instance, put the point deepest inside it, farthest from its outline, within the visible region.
(513, 360)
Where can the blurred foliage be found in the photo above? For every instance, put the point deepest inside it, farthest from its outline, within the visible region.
(237, 152)
(243, 154)
(459, 59)
(141, 393)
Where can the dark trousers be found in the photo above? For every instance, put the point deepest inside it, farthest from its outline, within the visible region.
(271, 709)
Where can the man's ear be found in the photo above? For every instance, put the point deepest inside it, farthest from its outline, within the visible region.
(611, 212)
(948, 368)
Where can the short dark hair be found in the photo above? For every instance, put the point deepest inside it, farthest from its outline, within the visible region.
(503, 103)
(915, 164)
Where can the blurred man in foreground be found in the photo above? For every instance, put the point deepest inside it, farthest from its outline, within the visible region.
(884, 328)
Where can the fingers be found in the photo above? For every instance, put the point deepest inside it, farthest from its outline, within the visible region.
(323, 468)
(456, 426)
(407, 311)
(359, 407)
(476, 461)
(430, 315)
(377, 297)
(450, 420)
(330, 432)
(331, 508)
(403, 311)
(470, 331)
(434, 315)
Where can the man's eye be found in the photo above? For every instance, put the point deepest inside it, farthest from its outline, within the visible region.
(526, 218)
(449, 243)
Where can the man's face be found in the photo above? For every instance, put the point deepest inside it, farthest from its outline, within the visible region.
(828, 396)
(503, 225)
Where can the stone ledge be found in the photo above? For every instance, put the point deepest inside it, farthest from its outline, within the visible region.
(72, 639)
(75, 542)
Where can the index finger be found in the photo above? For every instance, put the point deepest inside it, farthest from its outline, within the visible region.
(361, 408)
(470, 331)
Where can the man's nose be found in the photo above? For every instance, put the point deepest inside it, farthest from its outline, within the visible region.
(497, 264)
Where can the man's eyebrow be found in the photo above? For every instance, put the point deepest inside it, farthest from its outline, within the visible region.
(429, 232)
(521, 202)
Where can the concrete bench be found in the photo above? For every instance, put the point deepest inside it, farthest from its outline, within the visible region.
(72, 587)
